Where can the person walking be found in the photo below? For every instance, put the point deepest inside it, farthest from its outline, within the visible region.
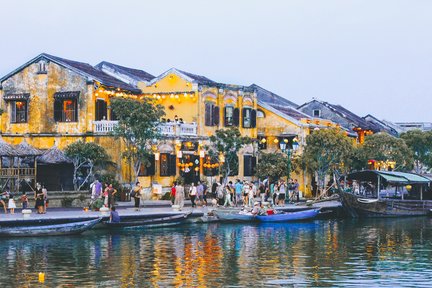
(46, 201)
(251, 195)
(136, 194)
(296, 190)
(246, 189)
(282, 193)
(96, 190)
(179, 196)
(200, 193)
(227, 194)
(238, 187)
(173, 191)
(193, 194)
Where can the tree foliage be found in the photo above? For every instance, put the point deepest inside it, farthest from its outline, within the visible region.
(85, 154)
(228, 142)
(139, 122)
(326, 149)
(384, 147)
(272, 165)
(420, 144)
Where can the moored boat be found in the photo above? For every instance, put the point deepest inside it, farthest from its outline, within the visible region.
(49, 230)
(149, 223)
(389, 196)
(234, 216)
(291, 216)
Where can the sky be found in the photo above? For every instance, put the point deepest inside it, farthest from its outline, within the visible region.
(370, 56)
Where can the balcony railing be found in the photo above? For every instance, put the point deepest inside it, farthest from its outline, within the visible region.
(167, 129)
(178, 129)
(17, 172)
(104, 126)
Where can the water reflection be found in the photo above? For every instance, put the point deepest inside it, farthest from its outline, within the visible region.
(322, 253)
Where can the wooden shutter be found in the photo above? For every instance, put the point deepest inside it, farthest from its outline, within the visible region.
(253, 118)
(172, 164)
(243, 116)
(225, 117)
(216, 117)
(13, 112)
(150, 169)
(236, 116)
(253, 164)
(247, 165)
(208, 114)
(58, 109)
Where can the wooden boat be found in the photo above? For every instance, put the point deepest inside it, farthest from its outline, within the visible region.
(234, 216)
(378, 205)
(48, 230)
(149, 223)
(288, 217)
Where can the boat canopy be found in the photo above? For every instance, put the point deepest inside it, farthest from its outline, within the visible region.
(394, 177)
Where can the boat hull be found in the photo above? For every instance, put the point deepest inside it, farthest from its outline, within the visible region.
(233, 216)
(363, 207)
(149, 223)
(290, 217)
(48, 230)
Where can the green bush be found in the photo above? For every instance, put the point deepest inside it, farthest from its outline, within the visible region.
(97, 204)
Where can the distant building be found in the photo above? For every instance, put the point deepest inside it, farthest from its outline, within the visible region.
(340, 115)
(424, 126)
(383, 126)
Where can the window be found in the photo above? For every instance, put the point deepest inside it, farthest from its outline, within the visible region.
(167, 164)
(42, 65)
(101, 112)
(229, 116)
(18, 111)
(249, 118)
(148, 169)
(66, 110)
(249, 163)
(316, 113)
(260, 114)
(211, 114)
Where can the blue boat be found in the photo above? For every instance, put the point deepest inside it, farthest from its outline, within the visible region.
(287, 217)
(49, 230)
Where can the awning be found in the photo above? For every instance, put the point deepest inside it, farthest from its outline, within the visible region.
(16, 96)
(66, 95)
(389, 176)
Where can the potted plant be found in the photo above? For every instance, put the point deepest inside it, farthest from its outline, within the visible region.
(97, 204)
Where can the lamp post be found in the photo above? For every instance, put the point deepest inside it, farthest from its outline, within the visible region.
(288, 150)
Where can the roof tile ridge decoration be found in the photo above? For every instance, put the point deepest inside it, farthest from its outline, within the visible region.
(137, 73)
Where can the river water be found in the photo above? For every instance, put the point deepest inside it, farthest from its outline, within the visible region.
(343, 253)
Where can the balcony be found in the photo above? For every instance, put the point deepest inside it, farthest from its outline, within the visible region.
(178, 129)
(104, 126)
(167, 129)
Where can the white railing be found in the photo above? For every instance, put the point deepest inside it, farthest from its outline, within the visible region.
(167, 129)
(104, 126)
(178, 129)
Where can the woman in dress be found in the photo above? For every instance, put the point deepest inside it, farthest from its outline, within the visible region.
(11, 204)
(179, 196)
(39, 198)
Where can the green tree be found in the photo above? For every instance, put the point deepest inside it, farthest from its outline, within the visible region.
(325, 150)
(383, 147)
(85, 154)
(228, 142)
(420, 144)
(139, 122)
(272, 165)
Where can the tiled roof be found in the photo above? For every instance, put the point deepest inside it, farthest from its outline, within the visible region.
(290, 111)
(100, 76)
(137, 74)
(271, 98)
(198, 78)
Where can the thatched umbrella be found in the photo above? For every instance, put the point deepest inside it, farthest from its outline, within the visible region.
(6, 149)
(54, 156)
(25, 149)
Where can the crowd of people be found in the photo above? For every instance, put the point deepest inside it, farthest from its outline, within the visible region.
(40, 197)
(105, 191)
(241, 193)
